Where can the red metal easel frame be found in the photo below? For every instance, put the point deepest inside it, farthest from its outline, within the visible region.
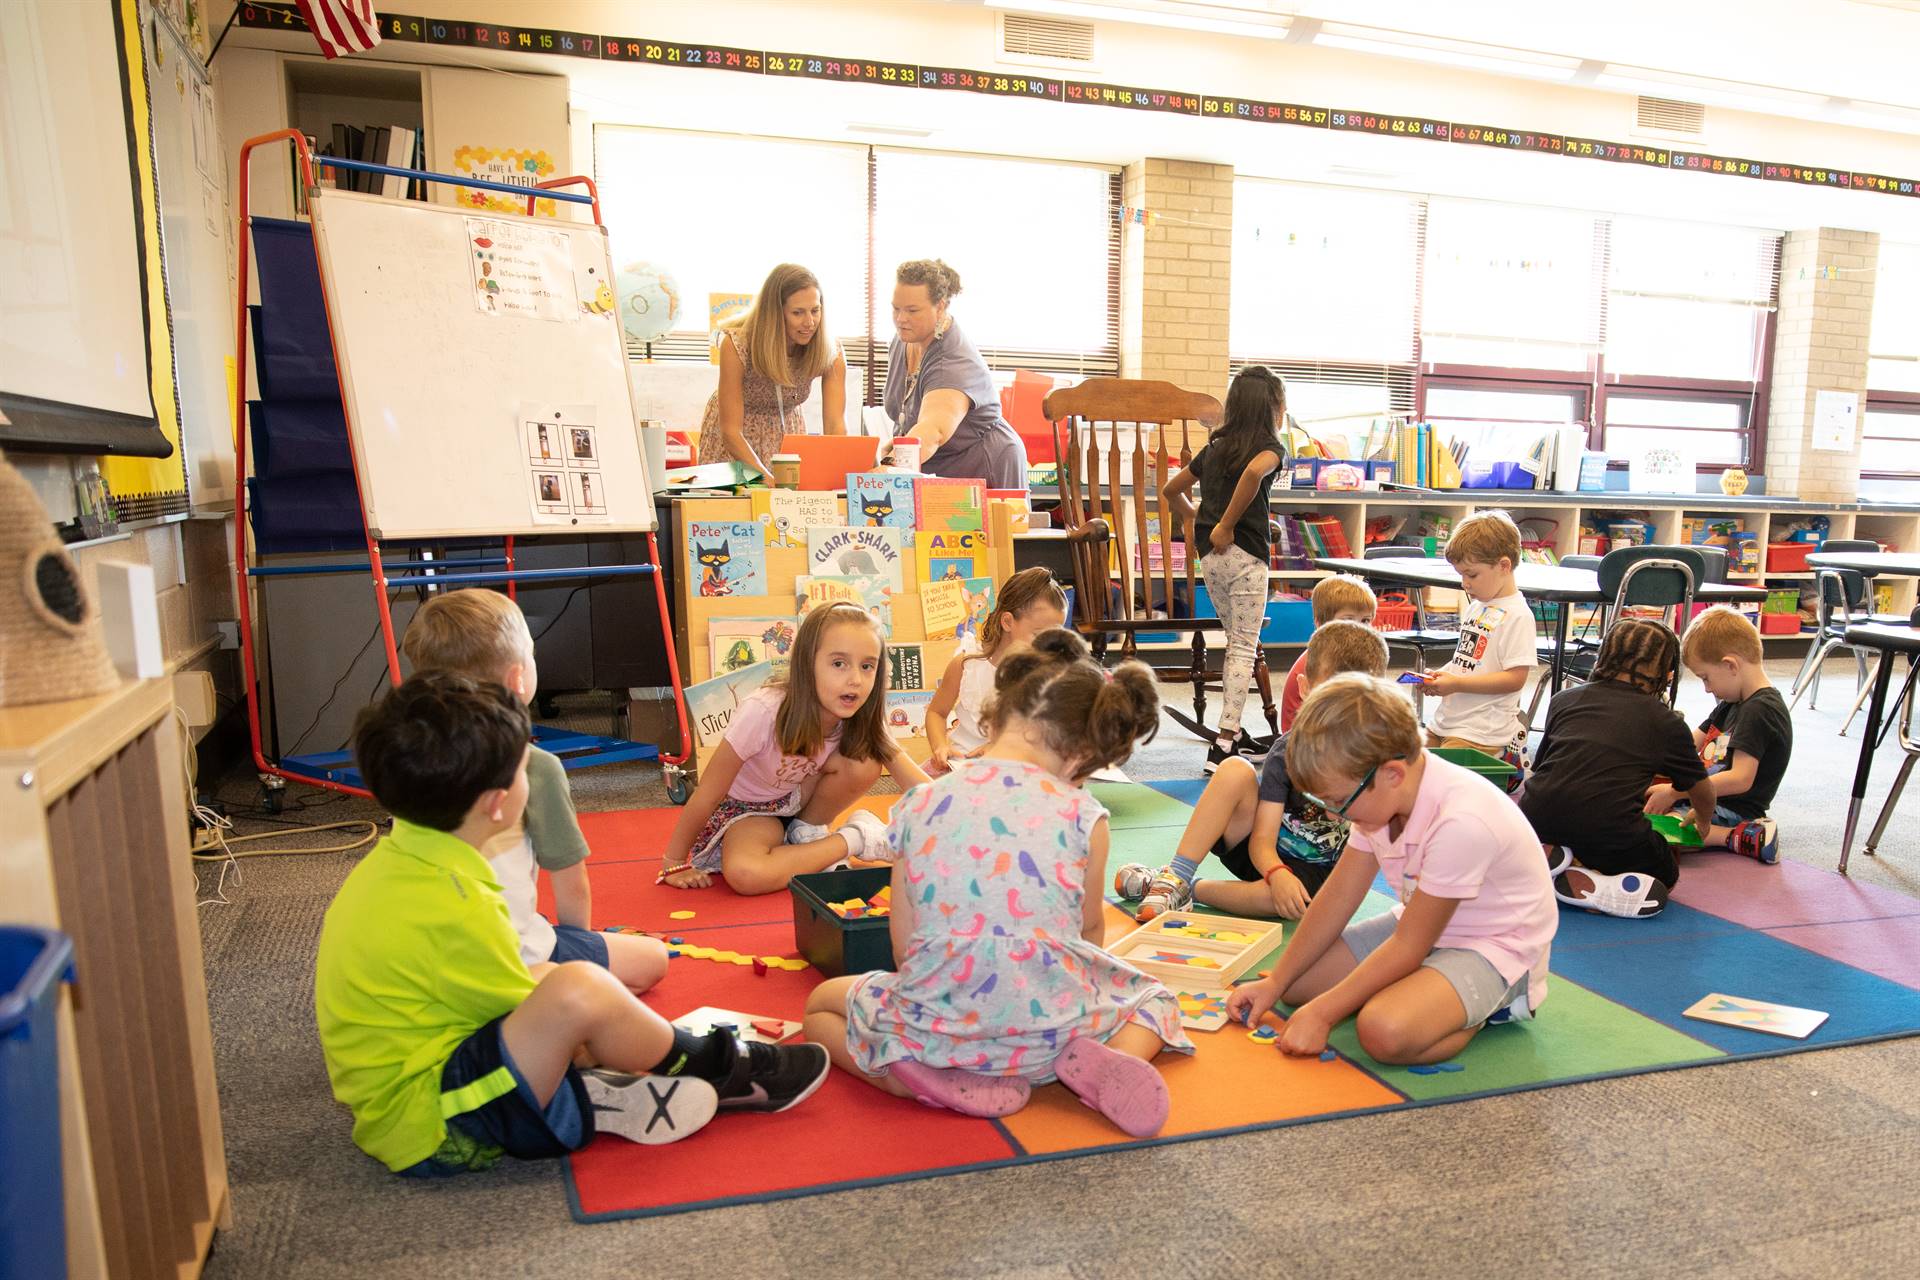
(241, 562)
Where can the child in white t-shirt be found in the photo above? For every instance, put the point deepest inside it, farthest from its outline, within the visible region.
(1467, 943)
(1480, 686)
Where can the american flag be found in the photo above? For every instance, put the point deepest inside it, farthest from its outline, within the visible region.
(341, 26)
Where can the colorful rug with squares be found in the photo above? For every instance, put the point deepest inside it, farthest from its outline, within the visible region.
(1790, 934)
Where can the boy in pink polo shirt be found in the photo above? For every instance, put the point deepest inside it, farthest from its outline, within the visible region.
(1466, 945)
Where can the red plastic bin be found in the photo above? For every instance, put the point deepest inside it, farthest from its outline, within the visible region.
(1789, 557)
(1779, 624)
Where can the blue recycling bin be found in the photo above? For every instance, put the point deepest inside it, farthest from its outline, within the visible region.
(33, 1230)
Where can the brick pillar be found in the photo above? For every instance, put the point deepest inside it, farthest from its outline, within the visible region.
(1820, 344)
(1174, 275)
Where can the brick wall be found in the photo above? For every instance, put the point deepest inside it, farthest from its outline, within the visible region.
(1174, 279)
(1826, 308)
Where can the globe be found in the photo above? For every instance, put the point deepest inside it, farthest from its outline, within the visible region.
(649, 301)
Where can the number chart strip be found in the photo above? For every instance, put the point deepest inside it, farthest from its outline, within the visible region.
(265, 16)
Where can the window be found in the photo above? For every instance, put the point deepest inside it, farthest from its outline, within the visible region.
(1890, 440)
(1893, 341)
(717, 213)
(1037, 246)
(1712, 430)
(1510, 287)
(1686, 300)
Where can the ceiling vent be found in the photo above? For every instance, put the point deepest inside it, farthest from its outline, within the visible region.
(1669, 117)
(1049, 42)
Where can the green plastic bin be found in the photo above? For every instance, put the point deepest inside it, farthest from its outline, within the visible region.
(832, 944)
(1498, 772)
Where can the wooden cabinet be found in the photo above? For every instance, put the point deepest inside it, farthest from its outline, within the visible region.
(93, 841)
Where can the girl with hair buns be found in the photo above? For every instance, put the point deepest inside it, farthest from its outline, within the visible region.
(997, 915)
(939, 389)
(769, 358)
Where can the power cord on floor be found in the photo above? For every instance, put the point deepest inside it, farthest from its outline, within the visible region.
(211, 842)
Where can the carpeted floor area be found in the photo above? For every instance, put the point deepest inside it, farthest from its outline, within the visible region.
(1797, 1166)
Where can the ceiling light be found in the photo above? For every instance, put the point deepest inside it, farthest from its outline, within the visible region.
(1220, 19)
(1725, 93)
(1451, 53)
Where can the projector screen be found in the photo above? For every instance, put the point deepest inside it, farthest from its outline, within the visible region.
(74, 267)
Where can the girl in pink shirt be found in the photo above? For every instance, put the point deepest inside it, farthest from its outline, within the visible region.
(796, 754)
(1468, 941)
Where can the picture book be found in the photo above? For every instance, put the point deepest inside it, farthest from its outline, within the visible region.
(877, 499)
(857, 552)
(1756, 1015)
(711, 703)
(907, 712)
(939, 555)
(740, 642)
(943, 608)
(979, 603)
(787, 514)
(947, 503)
(726, 558)
(906, 666)
(868, 591)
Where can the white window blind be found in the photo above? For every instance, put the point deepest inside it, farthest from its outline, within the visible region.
(717, 213)
(1510, 286)
(1036, 245)
(1890, 441)
(1688, 300)
(1322, 274)
(1893, 341)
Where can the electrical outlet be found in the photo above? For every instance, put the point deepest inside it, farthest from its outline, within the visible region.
(206, 840)
(229, 634)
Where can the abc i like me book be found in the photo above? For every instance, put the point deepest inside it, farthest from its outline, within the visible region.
(726, 558)
(941, 556)
(879, 499)
(946, 503)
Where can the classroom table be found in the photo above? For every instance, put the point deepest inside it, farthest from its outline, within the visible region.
(1549, 582)
(1890, 641)
(1884, 564)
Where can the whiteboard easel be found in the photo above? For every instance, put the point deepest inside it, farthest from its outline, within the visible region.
(449, 348)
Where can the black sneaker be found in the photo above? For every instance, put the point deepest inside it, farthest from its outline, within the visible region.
(1245, 745)
(649, 1109)
(772, 1077)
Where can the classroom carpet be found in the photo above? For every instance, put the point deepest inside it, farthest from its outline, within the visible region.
(1790, 934)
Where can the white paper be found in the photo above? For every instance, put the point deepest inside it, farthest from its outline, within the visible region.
(560, 447)
(521, 270)
(1835, 416)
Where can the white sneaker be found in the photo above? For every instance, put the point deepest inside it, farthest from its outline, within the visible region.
(866, 837)
(799, 832)
(650, 1110)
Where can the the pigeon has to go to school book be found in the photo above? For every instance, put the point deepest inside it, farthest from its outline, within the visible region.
(1756, 1015)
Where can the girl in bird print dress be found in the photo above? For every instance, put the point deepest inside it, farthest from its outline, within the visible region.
(997, 916)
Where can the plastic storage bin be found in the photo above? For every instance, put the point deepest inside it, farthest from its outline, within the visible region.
(830, 943)
(1780, 624)
(1496, 771)
(33, 1228)
(1287, 621)
(1789, 557)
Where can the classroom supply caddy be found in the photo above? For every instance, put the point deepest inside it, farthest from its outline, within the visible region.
(482, 396)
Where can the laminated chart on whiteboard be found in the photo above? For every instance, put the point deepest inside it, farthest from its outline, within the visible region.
(483, 369)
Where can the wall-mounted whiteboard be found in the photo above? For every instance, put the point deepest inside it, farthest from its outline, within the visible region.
(486, 385)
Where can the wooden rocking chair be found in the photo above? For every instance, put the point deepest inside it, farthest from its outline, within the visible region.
(1152, 430)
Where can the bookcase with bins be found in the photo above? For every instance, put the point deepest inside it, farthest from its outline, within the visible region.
(1557, 519)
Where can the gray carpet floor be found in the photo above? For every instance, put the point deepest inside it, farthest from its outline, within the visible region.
(1796, 1166)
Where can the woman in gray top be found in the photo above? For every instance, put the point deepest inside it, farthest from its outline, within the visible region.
(939, 390)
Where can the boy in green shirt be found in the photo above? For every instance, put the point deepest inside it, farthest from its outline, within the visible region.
(448, 1049)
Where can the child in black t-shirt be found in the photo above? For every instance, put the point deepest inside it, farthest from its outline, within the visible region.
(1605, 742)
(1279, 845)
(1747, 740)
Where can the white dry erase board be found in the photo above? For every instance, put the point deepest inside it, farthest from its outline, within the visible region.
(486, 385)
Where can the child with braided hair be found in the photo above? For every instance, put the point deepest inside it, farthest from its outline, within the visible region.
(1605, 743)
(998, 915)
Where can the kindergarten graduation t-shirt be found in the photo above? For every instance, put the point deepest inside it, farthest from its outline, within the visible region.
(1466, 841)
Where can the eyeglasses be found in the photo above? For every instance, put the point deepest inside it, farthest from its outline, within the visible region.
(1340, 810)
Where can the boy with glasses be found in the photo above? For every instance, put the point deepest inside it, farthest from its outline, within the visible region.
(1466, 944)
